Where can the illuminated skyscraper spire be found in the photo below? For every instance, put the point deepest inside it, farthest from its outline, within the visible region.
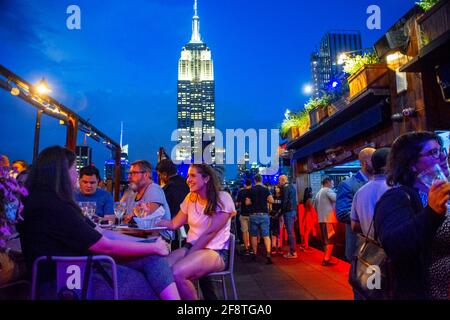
(196, 38)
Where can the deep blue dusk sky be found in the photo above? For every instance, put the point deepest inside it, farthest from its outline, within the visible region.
(122, 64)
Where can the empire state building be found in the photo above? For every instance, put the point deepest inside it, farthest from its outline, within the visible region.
(195, 102)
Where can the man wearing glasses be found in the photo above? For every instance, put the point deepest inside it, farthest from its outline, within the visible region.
(144, 194)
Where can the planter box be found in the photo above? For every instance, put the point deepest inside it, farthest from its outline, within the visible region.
(293, 133)
(313, 118)
(434, 23)
(369, 76)
(317, 115)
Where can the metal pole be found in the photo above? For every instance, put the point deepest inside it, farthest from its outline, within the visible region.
(72, 130)
(37, 131)
(117, 170)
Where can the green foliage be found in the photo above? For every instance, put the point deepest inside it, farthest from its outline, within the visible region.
(427, 4)
(321, 102)
(301, 119)
(352, 65)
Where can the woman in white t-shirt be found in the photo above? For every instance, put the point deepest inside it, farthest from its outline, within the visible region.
(208, 212)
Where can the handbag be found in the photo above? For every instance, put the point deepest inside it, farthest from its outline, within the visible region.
(371, 269)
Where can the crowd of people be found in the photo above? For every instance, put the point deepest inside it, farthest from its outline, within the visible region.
(52, 224)
(388, 201)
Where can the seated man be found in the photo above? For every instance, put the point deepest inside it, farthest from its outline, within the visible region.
(90, 192)
(144, 196)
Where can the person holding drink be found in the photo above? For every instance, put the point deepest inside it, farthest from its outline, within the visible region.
(412, 219)
(208, 212)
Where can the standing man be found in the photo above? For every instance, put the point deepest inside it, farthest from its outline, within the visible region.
(89, 191)
(259, 217)
(325, 206)
(143, 192)
(175, 189)
(244, 204)
(345, 193)
(289, 211)
(363, 207)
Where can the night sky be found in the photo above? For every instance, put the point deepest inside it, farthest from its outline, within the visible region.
(122, 64)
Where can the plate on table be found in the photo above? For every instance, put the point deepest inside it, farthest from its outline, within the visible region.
(109, 225)
(128, 228)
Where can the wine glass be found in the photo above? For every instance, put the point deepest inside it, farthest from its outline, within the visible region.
(119, 210)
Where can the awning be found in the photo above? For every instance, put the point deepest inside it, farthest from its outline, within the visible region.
(364, 113)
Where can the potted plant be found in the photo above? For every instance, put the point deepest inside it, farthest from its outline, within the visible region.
(295, 126)
(434, 22)
(318, 109)
(365, 71)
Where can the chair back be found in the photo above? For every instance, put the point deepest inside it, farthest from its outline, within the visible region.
(232, 247)
(73, 275)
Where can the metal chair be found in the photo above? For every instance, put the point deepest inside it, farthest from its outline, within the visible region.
(228, 271)
(80, 267)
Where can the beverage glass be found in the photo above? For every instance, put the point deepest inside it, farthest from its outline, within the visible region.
(119, 211)
(431, 175)
(83, 207)
(90, 209)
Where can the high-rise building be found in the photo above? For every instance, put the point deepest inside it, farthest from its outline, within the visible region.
(324, 62)
(124, 166)
(83, 156)
(196, 107)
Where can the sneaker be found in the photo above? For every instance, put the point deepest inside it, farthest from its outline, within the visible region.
(274, 250)
(328, 263)
(290, 255)
(269, 260)
(246, 252)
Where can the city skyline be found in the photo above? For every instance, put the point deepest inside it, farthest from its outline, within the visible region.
(122, 64)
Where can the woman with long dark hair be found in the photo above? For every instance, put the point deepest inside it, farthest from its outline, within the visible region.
(208, 212)
(308, 219)
(53, 225)
(410, 217)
